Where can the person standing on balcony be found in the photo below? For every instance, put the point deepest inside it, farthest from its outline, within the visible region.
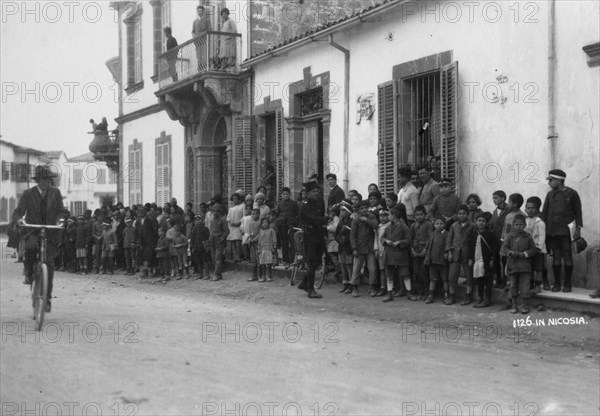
(171, 43)
(227, 44)
(201, 25)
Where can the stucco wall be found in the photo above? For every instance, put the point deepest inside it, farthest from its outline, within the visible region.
(146, 130)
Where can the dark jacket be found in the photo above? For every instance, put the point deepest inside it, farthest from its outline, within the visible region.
(312, 217)
(497, 222)
(461, 241)
(37, 210)
(561, 207)
(520, 243)
(342, 235)
(362, 235)
(436, 247)
(146, 235)
(336, 195)
(200, 234)
(489, 247)
(84, 234)
(399, 255)
(419, 234)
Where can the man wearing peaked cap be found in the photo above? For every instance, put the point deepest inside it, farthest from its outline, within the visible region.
(313, 219)
(42, 204)
(562, 206)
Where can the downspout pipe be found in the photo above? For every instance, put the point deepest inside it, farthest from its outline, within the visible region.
(346, 143)
(552, 134)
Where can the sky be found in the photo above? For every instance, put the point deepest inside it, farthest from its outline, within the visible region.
(53, 72)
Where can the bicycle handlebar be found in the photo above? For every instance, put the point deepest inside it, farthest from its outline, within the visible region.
(40, 226)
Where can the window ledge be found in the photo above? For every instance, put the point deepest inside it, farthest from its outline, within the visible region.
(593, 53)
(134, 87)
(154, 78)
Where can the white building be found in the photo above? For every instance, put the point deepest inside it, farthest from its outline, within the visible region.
(508, 92)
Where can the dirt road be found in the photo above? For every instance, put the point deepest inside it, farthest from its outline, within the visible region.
(116, 346)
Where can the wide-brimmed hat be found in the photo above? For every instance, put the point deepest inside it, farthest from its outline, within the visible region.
(43, 172)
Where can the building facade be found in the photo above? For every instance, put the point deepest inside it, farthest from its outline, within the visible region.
(491, 95)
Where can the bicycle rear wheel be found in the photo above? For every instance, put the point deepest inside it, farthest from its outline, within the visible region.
(39, 294)
(320, 274)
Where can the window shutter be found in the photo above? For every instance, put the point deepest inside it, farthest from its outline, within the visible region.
(158, 183)
(243, 154)
(279, 144)
(166, 166)
(387, 172)
(449, 118)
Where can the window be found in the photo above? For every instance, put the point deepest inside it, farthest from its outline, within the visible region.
(101, 176)
(243, 154)
(78, 207)
(163, 169)
(134, 177)
(7, 170)
(112, 177)
(133, 24)
(3, 209)
(417, 124)
(165, 17)
(137, 48)
(77, 176)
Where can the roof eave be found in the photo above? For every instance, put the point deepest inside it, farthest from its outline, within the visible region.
(324, 33)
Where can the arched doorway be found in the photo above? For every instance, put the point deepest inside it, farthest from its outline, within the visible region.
(209, 162)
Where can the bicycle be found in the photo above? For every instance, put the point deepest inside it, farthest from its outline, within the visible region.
(39, 283)
(298, 241)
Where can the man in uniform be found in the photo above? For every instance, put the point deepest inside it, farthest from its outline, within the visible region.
(42, 204)
(561, 207)
(313, 220)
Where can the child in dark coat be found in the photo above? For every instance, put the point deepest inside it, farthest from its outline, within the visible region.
(461, 249)
(198, 246)
(519, 248)
(436, 259)
(486, 247)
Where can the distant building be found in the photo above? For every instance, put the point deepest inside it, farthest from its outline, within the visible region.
(18, 167)
(90, 184)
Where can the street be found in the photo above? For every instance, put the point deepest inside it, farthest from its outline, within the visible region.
(116, 346)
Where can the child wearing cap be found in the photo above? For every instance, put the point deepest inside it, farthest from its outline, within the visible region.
(419, 234)
(109, 246)
(486, 246)
(178, 252)
(130, 247)
(446, 203)
(259, 203)
(219, 230)
(234, 219)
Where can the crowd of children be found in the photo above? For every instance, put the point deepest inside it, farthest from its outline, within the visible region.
(442, 240)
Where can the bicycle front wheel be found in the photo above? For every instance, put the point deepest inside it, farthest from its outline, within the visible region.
(40, 295)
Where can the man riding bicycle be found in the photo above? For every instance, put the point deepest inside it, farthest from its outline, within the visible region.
(42, 204)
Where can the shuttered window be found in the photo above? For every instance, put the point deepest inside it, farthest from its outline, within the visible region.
(134, 177)
(449, 118)
(244, 154)
(386, 149)
(163, 170)
(279, 145)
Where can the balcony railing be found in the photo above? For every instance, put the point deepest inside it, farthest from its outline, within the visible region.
(209, 52)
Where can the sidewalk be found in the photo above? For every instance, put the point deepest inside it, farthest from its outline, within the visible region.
(578, 300)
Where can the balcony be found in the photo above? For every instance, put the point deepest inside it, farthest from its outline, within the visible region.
(211, 52)
(105, 148)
